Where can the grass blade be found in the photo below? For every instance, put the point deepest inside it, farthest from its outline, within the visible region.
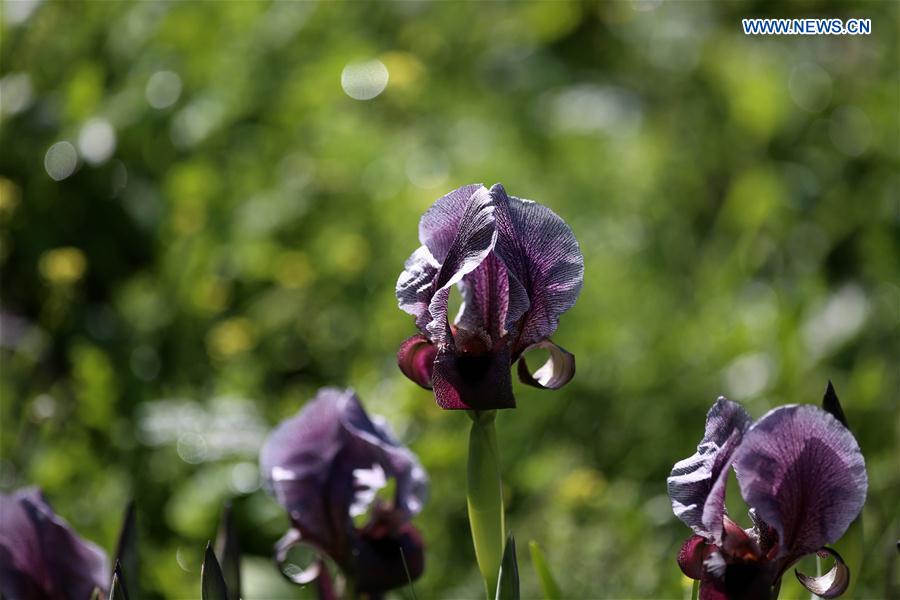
(549, 587)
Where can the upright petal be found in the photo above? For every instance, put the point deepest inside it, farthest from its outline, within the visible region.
(485, 293)
(474, 241)
(439, 224)
(804, 474)
(697, 484)
(543, 258)
(40, 554)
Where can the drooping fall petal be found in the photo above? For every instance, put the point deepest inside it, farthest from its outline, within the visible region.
(416, 359)
(833, 583)
(556, 372)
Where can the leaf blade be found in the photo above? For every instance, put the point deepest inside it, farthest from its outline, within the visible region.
(549, 587)
(228, 553)
(508, 578)
(212, 582)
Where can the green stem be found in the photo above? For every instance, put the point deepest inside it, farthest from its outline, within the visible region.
(485, 497)
(695, 590)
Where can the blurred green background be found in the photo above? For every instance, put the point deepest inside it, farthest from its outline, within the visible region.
(200, 224)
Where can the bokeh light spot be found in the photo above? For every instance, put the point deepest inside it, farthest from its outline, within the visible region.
(163, 89)
(62, 265)
(810, 87)
(851, 130)
(97, 141)
(60, 160)
(364, 80)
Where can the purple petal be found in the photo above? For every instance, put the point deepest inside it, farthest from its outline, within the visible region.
(473, 381)
(692, 555)
(416, 359)
(833, 583)
(485, 293)
(414, 286)
(315, 463)
(553, 374)
(804, 474)
(697, 484)
(474, 241)
(440, 223)
(40, 554)
(381, 557)
(543, 257)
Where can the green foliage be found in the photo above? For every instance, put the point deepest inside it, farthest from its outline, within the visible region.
(508, 578)
(237, 247)
(548, 585)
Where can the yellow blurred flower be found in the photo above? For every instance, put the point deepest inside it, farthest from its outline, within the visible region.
(231, 337)
(62, 265)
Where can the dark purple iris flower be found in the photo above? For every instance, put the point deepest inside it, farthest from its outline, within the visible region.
(518, 267)
(803, 476)
(326, 466)
(41, 556)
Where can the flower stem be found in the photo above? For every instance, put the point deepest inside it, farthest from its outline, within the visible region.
(485, 497)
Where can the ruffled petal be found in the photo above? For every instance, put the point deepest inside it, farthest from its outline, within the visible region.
(833, 583)
(313, 461)
(416, 359)
(804, 474)
(485, 293)
(440, 223)
(473, 381)
(697, 484)
(543, 258)
(553, 374)
(41, 555)
(415, 285)
(474, 241)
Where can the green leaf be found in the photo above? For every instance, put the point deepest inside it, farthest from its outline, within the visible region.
(508, 579)
(549, 588)
(229, 554)
(126, 549)
(117, 587)
(212, 582)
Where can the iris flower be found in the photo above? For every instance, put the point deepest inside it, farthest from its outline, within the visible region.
(518, 267)
(41, 556)
(803, 476)
(326, 466)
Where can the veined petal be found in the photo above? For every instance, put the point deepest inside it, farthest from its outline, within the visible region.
(697, 484)
(485, 293)
(474, 241)
(41, 555)
(833, 583)
(543, 258)
(441, 222)
(311, 462)
(416, 359)
(553, 374)
(473, 381)
(804, 474)
(415, 285)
